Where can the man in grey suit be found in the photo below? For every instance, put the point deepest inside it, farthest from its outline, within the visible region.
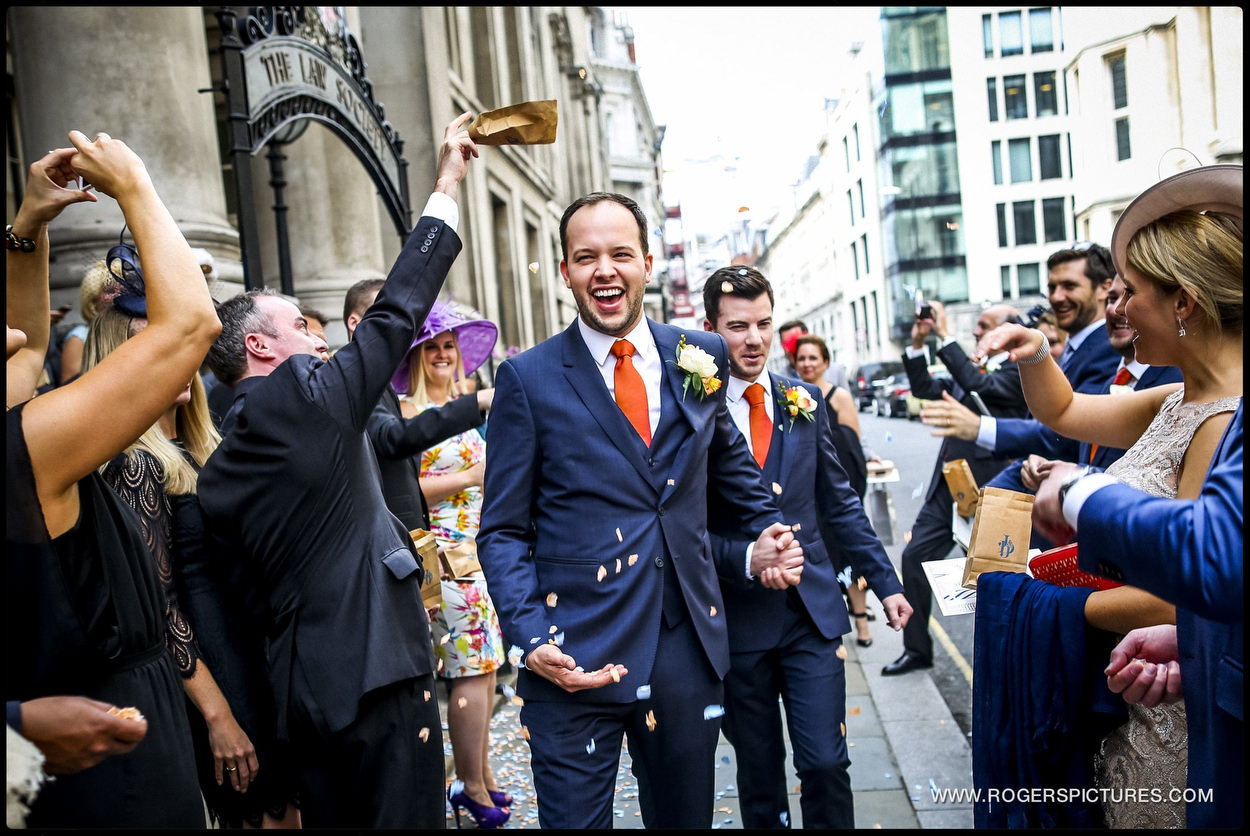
(295, 493)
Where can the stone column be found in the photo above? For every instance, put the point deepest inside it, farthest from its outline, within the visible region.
(140, 84)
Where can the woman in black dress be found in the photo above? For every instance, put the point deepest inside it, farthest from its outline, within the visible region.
(84, 604)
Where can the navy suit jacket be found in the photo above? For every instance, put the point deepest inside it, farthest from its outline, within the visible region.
(1104, 457)
(817, 495)
(295, 493)
(1000, 389)
(1190, 552)
(579, 515)
(399, 443)
(1089, 369)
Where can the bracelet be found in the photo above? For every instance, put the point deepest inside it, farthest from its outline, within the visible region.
(13, 242)
(1042, 354)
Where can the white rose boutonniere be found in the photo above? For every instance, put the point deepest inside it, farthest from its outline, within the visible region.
(698, 367)
(797, 403)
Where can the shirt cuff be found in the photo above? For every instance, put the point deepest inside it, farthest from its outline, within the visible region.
(750, 549)
(912, 351)
(987, 433)
(441, 206)
(1081, 490)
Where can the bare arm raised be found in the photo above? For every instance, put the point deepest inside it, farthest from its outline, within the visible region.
(74, 429)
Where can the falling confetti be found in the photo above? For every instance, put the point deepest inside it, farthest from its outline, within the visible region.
(424, 734)
(603, 573)
(619, 538)
(726, 287)
(508, 690)
(776, 489)
(552, 598)
(650, 721)
(616, 677)
(843, 729)
(672, 481)
(558, 641)
(862, 583)
(446, 638)
(553, 629)
(535, 640)
(590, 747)
(888, 438)
(643, 692)
(711, 712)
(633, 558)
(426, 694)
(918, 491)
(841, 651)
(796, 527)
(462, 702)
(618, 566)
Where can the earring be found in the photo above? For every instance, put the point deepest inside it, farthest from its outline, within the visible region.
(1180, 327)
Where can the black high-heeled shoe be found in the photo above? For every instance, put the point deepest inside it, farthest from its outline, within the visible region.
(863, 642)
(486, 818)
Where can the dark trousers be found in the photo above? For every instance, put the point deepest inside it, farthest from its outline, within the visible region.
(377, 772)
(804, 671)
(932, 538)
(575, 746)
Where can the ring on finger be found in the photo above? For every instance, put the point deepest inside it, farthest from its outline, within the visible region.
(232, 769)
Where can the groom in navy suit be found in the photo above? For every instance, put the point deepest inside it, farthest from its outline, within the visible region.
(604, 441)
(787, 643)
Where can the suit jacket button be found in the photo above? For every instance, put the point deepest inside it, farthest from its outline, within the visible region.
(651, 462)
(433, 230)
(425, 248)
(659, 561)
(660, 510)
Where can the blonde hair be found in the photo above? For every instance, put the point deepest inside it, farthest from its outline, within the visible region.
(195, 427)
(418, 372)
(94, 282)
(1200, 254)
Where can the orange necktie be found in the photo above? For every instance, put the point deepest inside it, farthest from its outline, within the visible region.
(1122, 377)
(761, 427)
(631, 394)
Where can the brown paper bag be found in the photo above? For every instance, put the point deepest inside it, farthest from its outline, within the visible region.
(963, 486)
(431, 585)
(527, 123)
(1000, 534)
(461, 561)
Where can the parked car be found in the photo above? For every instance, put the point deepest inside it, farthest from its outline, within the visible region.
(867, 373)
(938, 372)
(890, 396)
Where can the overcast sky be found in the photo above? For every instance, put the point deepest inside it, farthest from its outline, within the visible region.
(742, 93)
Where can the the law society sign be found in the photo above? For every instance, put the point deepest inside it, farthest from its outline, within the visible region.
(287, 65)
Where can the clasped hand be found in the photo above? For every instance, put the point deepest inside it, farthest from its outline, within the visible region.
(777, 558)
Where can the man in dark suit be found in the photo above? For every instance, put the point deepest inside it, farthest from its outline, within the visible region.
(784, 644)
(399, 441)
(932, 535)
(294, 491)
(604, 440)
(1191, 553)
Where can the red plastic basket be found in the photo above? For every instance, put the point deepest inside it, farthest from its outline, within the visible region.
(1059, 567)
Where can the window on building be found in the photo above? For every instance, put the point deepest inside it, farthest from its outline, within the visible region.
(863, 242)
(1054, 224)
(1015, 97)
(1049, 157)
(996, 159)
(846, 152)
(1001, 212)
(1021, 159)
(1010, 34)
(1119, 81)
(855, 258)
(1041, 31)
(991, 93)
(1004, 282)
(1045, 96)
(1029, 279)
(850, 206)
(859, 184)
(1024, 215)
(987, 35)
(855, 133)
(1123, 150)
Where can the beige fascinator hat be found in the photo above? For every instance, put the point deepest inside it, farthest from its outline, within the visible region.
(1211, 188)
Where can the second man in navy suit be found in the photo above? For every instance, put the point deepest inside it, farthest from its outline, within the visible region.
(787, 643)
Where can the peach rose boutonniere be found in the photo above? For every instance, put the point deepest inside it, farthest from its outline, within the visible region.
(797, 403)
(698, 367)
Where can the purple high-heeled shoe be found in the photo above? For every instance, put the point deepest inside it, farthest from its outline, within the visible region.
(487, 818)
(500, 798)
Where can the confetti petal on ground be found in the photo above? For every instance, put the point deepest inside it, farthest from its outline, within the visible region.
(643, 692)
(603, 572)
(711, 712)
(552, 598)
(855, 710)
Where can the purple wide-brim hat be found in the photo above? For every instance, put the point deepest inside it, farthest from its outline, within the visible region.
(476, 338)
(1209, 188)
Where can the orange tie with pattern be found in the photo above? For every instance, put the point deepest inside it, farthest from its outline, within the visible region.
(1122, 377)
(761, 427)
(631, 394)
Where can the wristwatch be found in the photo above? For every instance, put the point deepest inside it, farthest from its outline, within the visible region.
(1072, 478)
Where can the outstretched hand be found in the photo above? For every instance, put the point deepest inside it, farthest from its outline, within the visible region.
(554, 665)
(1021, 342)
(52, 184)
(950, 418)
(454, 155)
(108, 164)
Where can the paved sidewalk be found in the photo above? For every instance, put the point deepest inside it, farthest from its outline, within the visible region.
(902, 736)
